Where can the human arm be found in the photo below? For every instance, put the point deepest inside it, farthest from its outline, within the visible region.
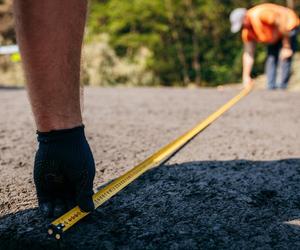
(248, 62)
(279, 21)
(286, 50)
(49, 35)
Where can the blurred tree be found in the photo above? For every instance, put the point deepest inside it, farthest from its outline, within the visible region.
(7, 34)
(195, 26)
(171, 9)
(291, 4)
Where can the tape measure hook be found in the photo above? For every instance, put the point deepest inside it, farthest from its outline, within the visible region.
(56, 230)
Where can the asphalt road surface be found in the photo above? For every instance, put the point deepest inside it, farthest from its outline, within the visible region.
(235, 186)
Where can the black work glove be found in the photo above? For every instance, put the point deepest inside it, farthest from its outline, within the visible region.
(64, 171)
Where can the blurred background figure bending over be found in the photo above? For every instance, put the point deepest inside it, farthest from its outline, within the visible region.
(271, 24)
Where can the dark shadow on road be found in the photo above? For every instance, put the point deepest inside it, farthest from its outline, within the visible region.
(235, 204)
(5, 87)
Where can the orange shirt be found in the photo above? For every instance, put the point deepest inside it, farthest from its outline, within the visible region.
(261, 23)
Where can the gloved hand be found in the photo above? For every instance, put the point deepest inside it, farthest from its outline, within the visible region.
(64, 171)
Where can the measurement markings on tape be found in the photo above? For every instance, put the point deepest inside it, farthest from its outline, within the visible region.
(63, 223)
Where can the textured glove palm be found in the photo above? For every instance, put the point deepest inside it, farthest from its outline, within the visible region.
(64, 171)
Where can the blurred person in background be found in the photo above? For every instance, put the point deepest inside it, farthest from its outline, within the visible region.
(271, 24)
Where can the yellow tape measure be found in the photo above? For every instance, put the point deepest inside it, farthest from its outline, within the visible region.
(69, 219)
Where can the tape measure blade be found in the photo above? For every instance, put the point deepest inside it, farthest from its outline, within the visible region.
(74, 215)
(70, 218)
(120, 183)
(173, 146)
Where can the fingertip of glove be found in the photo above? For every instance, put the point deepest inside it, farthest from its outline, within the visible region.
(59, 209)
(46, 209)
(87, 205)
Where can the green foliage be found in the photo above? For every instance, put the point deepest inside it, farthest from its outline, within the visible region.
(189, 40)
(101, 66)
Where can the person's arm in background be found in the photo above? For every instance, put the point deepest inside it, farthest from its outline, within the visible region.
(279, 21)
(286, 50)
(248, 62)
(50, 34)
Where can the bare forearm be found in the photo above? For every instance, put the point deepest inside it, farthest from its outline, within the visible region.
(248, 61)
(50, 39)
(286, 43)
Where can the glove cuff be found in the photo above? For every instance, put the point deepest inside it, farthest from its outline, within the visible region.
(62, 134)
